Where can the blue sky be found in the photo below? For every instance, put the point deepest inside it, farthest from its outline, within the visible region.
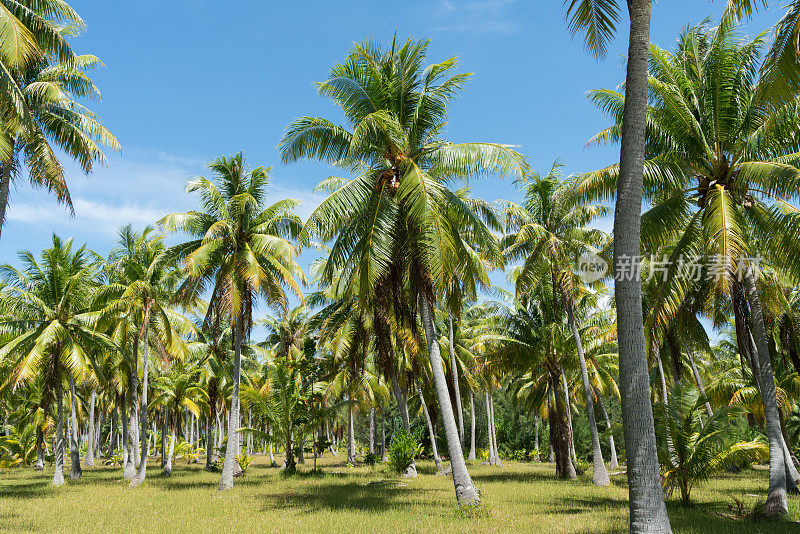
(188, 80)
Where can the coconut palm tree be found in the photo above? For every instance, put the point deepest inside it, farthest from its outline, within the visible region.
(719, 184)
(49, 87)
(396, 216)
(241, 251)
(50, 329)
(598, 20)
(141, 292)
(550, 232)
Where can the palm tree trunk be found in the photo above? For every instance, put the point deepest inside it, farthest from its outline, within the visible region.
(614, 461)
(384, 456)
(372, 430)
(454, 373)
(431, 433)
(171, 451)
(536, 438)
(472, 425)
(648, 512)
(75, 472)
(489, 433)
(402, 407)
(90, 441)
(39, 466)
(209, 443)
(5, 187)
(559, 431)
(288, 462)
(271, 454)
(58, 474)
(142, 471)
(113, 428)
(493, 428)
(776, 498)
(699, 382)
(466, 492)
(226, 479)
(568, 409)
(661, 377)
(351, 437)
(99, 432)
(599, 473)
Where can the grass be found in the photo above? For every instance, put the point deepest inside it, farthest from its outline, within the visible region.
(518, 497)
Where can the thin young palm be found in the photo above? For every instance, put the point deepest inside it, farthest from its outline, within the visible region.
(241, 251)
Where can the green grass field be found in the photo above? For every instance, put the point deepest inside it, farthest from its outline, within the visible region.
(519, 497)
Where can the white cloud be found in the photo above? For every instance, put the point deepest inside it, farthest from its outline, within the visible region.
(478, 16)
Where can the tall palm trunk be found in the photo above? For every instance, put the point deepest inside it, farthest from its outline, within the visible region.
(58, 474)
(599, 473)
(489, 433)
(372, 430)
(142, 471)
(75, 472)
(113, 428)
(454, 373)
(431, 432)
(614, 461)
(171, 451)
(568, 409)
(493, 430)
(351, 437)
(6, 169)
(402, 407)
(39, 449)
(269, 444)
(226, 479)
(559, 431)
(662, 379)
(209, 443)
(90, 439)
(776, 498)
(132, 438)
(648, 512)
(466, 492)
(384, 456)
(536, 437)
(472, 425)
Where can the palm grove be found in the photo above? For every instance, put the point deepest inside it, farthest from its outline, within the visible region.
(149, 352)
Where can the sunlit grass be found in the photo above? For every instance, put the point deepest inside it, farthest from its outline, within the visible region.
(518, 497)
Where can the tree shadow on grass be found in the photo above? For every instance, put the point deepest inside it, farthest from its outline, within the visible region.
(504, 476)
(349, 496)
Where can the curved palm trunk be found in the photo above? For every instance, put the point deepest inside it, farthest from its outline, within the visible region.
(75, 472)
(90, 441)
(776, 498)
(402, 407)
(472, 425)
(454, 373)
(648, 512)
(431, 432)
(351, 437)
(58, 474)
(614, 461)
(661, 377)
(700, 386)
(142, 471)
(466, 492)
(599, 473)
(226, 479)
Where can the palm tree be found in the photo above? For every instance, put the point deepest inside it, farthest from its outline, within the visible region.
(49, 328)
(599, 19)
(397, 216)
(718, 184)
(699, 448)
(49, 88)
(550, 233)
(241, 250)
(141, 292)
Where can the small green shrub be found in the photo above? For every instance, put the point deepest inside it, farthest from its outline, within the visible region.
(402, 451)
(581, 466)
(370, 459)
(244, 461)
